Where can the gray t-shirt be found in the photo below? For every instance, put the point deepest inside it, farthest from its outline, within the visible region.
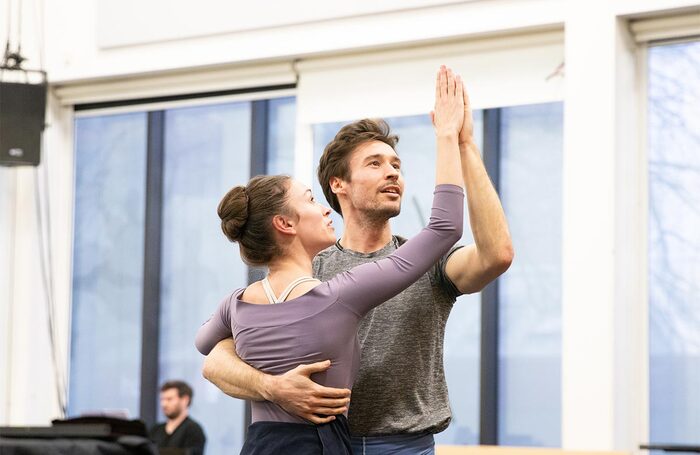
(401, 385)
(322, 324)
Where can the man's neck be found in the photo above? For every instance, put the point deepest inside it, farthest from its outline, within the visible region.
(172, 424)
(365, 236)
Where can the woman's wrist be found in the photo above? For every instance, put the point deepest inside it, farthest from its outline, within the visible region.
(447, 136)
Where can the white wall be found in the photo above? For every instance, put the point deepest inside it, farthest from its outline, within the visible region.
(29, 395)
(76, 52)
(100, 53)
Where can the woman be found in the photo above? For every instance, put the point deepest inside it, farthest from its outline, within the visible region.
(278, 224)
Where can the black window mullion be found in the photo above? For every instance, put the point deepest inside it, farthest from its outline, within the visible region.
(258, 165)
(150, 327)
(488, 393)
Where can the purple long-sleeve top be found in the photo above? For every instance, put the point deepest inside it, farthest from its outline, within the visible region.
(322, 324)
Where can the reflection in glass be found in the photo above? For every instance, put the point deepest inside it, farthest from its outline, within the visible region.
(674, 242)
(206, 153)
(416, 148)
(110, 180)
(530, 292)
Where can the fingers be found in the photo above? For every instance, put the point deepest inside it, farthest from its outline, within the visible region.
(459, 88)
(308, 370)
(437, 84)
(330, 392)
(330, 411)
(317, 419)
(432, 117)
(334, 403)
(450, 83)
(465, 97)
(324, 407)
(443, 81)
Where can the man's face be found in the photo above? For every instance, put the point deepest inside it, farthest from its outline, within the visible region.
(172, 404)
(376, 183)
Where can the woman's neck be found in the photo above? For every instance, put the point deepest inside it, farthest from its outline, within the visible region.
(289, 268)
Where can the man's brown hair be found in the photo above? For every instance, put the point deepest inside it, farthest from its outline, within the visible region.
(335, 161)
(183, 389)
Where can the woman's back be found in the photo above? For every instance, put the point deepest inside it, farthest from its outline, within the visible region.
(310, 328)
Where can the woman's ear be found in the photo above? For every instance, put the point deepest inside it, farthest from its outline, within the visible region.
(284, 224)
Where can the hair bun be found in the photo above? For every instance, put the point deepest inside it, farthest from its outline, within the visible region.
(233, 211)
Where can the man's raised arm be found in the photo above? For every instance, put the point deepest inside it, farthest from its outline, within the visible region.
(294, 390)
(471, 268)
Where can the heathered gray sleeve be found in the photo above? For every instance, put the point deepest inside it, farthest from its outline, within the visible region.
(217, 327)
(366, 286)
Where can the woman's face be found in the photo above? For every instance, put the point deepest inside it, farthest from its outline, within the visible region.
(314, 226)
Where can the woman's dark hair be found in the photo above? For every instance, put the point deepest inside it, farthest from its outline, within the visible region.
(246, 214)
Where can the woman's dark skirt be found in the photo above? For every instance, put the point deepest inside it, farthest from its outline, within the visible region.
(271, 438)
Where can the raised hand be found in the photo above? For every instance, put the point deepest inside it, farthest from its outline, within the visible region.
(448, 116)
(466, 134)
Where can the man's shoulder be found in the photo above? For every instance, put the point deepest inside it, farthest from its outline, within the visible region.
(328, 263)
(193, 424)
(328, 252)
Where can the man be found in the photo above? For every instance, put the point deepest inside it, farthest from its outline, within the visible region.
(399, 399)
(179, 431)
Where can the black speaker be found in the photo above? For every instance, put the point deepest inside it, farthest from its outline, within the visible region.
(22, 109)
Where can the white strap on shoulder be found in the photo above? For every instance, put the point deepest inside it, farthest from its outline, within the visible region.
(269, 293)
(288, 290)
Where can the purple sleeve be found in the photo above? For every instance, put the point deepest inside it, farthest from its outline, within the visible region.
(217, 327)
(366, 286)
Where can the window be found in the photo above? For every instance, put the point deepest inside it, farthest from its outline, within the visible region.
(673, 242)
(110, 184)
(206, 150)
(530, 292)
(282, 123)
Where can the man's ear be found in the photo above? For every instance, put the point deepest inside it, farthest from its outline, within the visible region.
(337, 185)
(284, 224)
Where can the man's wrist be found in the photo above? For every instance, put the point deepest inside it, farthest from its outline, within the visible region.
(267, 386)
(468, 146)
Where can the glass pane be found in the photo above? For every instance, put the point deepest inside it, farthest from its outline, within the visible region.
(530, 292)
(417, 150)
(281, 134)
(674, 244)
(206, 153)
(110, 179)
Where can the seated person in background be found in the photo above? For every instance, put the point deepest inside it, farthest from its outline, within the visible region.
(179, 431)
